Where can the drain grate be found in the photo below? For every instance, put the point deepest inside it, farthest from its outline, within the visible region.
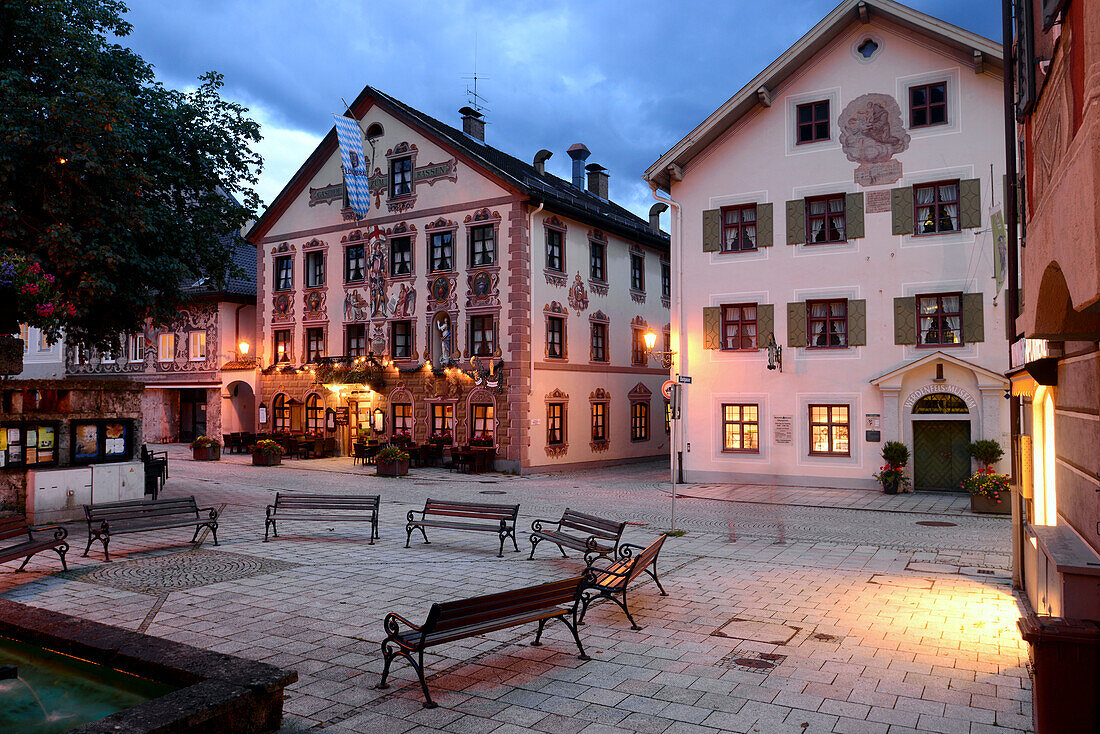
(492, 491)
(763, 662)
(936, 523)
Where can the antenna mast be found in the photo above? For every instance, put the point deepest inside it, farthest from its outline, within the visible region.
(473, 99)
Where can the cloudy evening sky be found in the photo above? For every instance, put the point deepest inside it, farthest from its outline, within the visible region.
(628, 78)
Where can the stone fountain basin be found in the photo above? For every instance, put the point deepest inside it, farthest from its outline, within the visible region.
(214, 691)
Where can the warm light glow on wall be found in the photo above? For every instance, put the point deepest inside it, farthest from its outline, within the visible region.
(1042, 430)
(650, 339)
(243, 347)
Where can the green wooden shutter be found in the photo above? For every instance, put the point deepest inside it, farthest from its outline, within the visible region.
(970, 203)
(853, 215)
(973, 318)
(712, 230)
(712, 327)
(796, 324)
(796, 222)
(765, 323)
(901, 210)
(905, 320)
(765, 224)
(857, 323)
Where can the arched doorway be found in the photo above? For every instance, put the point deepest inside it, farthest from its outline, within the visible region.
(240, 415)
(941, 435)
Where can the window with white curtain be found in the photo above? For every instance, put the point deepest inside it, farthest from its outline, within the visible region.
(940, 319)
(937, 207)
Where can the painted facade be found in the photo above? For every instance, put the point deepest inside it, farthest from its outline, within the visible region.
(434, 313)
(42, 359)
(841, 205)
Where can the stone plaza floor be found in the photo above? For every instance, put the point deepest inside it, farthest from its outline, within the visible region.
(788, 609)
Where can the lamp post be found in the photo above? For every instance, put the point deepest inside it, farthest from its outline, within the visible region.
(666, 358)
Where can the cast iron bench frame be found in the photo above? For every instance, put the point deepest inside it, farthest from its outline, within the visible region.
(137, 516)
(292, 507)
(15, 527)
(469, 511)
(456, 620)
(593, 529)
(615, 579)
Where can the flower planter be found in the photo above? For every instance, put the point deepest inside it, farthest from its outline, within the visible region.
(266, 459)
(392, 468)
(988, 506)
(207, 453)
(890, 485)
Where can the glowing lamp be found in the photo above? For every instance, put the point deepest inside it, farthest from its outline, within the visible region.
(243, 347)
(650, 339)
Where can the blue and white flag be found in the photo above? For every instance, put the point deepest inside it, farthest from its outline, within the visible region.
(354, 164)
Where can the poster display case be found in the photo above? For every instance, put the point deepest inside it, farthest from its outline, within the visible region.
(29, 444)
(102, 441)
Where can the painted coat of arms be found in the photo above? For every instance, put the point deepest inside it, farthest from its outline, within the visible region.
(578, 296)
(871, 134)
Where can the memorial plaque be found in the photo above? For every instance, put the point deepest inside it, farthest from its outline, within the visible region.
(784, 429)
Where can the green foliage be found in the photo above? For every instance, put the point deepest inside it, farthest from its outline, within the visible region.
(110, 181)
(267, 447)
(203, 442)
(391, 453)
(988, 452)
(895, 453)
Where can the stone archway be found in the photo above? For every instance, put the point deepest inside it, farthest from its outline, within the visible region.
(239, 416)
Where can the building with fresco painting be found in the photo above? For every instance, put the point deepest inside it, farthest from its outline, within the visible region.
(480, 297)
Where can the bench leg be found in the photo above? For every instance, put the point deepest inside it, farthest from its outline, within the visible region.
(61, 551)
(387, 656)
(538, 634)
(563, 555)
(534, 542)
(576, 637)
(653, 575)
(373, 529)
(633, 625)
(214, 532)
(91, 537)
(267, 527)
(25, 562)
(106, 539)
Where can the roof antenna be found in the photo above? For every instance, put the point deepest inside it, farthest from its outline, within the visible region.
(473, 99)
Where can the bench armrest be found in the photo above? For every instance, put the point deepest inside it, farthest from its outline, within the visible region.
(536, 526)
(393, 630)
(59, 533)
(410, 517)
(270, 509)
(626, 550)
(213, 512)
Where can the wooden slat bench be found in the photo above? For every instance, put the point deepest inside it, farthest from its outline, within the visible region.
(323, 508)
(457, 620)
(137, 516)
(20, 540)
(589, 531)
(499, 519)
(616, 578)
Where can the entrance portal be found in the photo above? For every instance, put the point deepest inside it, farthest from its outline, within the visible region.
(940, 457)
(192, 414)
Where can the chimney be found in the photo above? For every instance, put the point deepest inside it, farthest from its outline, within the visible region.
(540, 160)
(597, 179)
(655, 216)
(579, 153)
(472, 124)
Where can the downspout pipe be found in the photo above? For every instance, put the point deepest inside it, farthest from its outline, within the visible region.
(531, 269)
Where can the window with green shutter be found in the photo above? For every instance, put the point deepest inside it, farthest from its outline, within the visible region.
(973, 318)
(857, 323)
(796, 324)
(853, 210)
(796, 222)
(970, 203)
(765, 323)
(712, 327)
(905, 320)
(712, 230)
(901, 210)
(764, 225)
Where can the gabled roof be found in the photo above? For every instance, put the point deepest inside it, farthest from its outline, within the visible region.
(242, 254)
(557, 194)
(981, 49)
(940, 356)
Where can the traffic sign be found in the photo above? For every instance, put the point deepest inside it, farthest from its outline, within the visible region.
(684, 380)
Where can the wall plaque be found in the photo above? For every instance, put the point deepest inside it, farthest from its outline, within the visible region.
(877, 201)
(343, 416)
(784, 429)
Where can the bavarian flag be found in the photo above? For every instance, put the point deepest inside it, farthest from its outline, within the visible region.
(354, 164)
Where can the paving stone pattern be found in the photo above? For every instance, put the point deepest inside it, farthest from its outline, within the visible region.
(882, 625)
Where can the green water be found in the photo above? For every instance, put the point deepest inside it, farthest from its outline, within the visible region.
(70, 692)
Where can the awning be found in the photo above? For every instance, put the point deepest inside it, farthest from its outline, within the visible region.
(1023, 384)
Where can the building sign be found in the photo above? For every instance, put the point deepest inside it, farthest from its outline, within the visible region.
(784, 429)
(428, 174)
(326, 194)
(1025, 351)
(343, 416)
(872, 422)
(939, 403)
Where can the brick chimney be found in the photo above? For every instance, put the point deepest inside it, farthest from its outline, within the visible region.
(540, 160)
(655, 216)
(597, 179)
(472, 124)
(579, 153)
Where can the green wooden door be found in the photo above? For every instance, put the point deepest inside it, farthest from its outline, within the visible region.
(940, 458)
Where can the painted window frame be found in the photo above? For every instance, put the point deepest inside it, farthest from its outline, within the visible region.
(473, 252)
(487, 420)
(603, 355)
(555, 423)
(738, 227)
(396, 326)
(353, 273)
(314, 273)
(828, 321)
(552, 234)
(941, 317)
(597, 261)
(166, 346)
(639, 421)
(482, 330)
(599, 420)
(314, 343)
(937, 207)
(401, 420)
(407, 250)
(928, 105)
(741, 424)
(196, 345)
(741, 323)
(637, 272)
(285, 338)
(351, 349)
(812, 125)
(639, 355)
(826, 218)
(283, 270)
(552, 321)
(434, 263)
(830, 426)
(403, 188)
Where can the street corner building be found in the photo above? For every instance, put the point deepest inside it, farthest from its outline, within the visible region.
(833, 231)
(479, 298)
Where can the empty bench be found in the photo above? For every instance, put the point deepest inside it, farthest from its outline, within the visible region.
(578, 531)
(138, 516)
(322, 508)
(20, 540)
(613, 581)
(499, 519)
(457, 620)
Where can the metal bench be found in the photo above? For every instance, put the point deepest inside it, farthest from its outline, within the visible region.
(499, 519)
(27, 540)
(322, 508)
(615, 579)
(590, 530)
(457, 620)
(137, 516)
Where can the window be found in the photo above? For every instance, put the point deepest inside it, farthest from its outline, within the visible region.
(483, 249)
(829, 430)
(741, 428)
(937, 207)
(555, 259)
(282, 345)
(401, 340)
(825, 219)
(639, 421)
(441, 251)
(315, 269)
(666, 280)
(597, 261)
(638, 354)
(599, 342)
(443, 419)
(315, 344)
(827, 323)
(401, 256)
(939, 319)
(104, 357)
(928, 105)
(481, 336)
(482, 421)
(25, 336)
(401, 177)
(166, 347)
(739, 326)
(280, 413)
(555, 424)
(813, 122)
(137, 348)
(356, 344)
(353, 263)
(402, 419)
(739, 228)
(637, 272)
(555, 337)
(284, 273)
(315, 414)
(196, 346)
(599, 421)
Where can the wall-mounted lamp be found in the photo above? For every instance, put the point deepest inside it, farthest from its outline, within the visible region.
(775, 354)
(243, 348)
(665, 358)
(379, 420)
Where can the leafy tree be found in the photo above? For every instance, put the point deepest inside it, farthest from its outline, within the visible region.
(113, 184)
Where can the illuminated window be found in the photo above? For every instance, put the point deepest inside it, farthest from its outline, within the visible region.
(555, 424)
(166, 347)
(281, 413)
(829, 429)
(443, 419)
(639, 421)
(482, 422)
(740, 428)
(315, 414)
(196, 346)
(599, 421)
(403, 418)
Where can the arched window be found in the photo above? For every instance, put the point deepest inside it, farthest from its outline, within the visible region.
(315, 414)
(940, 402)
(281, 414)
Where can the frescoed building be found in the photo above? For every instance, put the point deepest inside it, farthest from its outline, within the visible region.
(839, 208)
(481, 297)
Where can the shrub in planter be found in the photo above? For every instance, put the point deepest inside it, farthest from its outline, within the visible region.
(266, 452)
(986, 452)
(481, 439)
(988, 492)
(444, 438)
(206, 448)
(892, 474)
(392, 462)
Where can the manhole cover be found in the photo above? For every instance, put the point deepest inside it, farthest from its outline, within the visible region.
(936, 524)
(769, 633)
(178, 571)
(492, 491)
(751, 662)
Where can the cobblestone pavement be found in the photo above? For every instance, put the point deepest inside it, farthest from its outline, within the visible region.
(789, 610)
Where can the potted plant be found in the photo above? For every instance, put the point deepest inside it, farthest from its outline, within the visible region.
(443, 439)
(988, 489)
(986, 452)
(206, 448)
(481, 439)
(266, 452)
(392, 462)
(892, 475)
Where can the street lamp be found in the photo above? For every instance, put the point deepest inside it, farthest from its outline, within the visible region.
(775, 354)
(665, 357)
